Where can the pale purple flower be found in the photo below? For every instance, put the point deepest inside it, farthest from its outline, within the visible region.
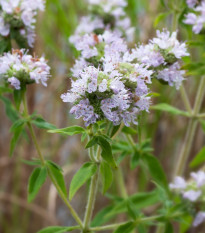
(35, 69)
(191, 3)
(196, 21)
(173, 75)
(179, 183)
(24, 11)
(4, 28)
(200, 218)
(147, 54)
(192, 195)
(167, 41)
(14, 82)
(196, 18)
(199, 177)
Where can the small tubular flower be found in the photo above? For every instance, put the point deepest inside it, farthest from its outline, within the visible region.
(19, 17)
(18, 68)
(163, 55)
(105, 15)
(193, 191)
(196, 18)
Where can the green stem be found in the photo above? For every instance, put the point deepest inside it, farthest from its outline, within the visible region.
(130, 140)
(186, 148)
(185, 99)
(201, 115)
(114, 226)
(61, 194)
(120, 183)
(91, 201)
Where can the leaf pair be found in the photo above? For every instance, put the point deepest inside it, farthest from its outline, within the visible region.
(39, 175)
(104, 143)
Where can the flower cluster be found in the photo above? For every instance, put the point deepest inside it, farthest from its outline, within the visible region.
(105, 15)
(18, 16)
(18, 68)
(120, 76)
(192, 190)
(163, 55)
(197, 16)
(108, 86)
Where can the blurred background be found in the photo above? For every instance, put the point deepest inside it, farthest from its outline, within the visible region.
(166, 132)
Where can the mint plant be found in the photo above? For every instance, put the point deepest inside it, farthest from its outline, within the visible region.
(111, 91)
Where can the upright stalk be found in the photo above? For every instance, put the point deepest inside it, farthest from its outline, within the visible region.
(91, 201)
(61, 194)
(186, 148)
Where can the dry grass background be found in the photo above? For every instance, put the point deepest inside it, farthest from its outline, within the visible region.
(167, 132)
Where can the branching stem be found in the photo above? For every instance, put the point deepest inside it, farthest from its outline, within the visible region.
(61, 194)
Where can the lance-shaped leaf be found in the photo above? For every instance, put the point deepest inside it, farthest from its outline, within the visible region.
(107, 175)
(106, 151)
(36, 180)
(199, 158)
(17, 130)
(168, 108)
(127, 227)
(56, 172)
(82, 175)
(42, 124)
(69, 130)
(155, 169)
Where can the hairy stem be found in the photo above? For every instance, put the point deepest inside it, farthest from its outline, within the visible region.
(114, 226)
(185, 99)
(91, 201)
(120, 183)
(61, 194)
(191, 129)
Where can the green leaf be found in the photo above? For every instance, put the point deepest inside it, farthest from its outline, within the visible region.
(81, 176)
(17, 124)
(102, 217)
(57, 229)
(168, 108)
(199, 158)
(42, 124)
(57, 174)
(18, 96)
(131, 209)
(92, 142)
(31, 163)
(135, 159)
(139, 200)
(129, 130)
(169, 228)
(114, 130)
(106, 151)
(203, 124)
(5, 90)
(69, 131)
(156, 170)
(10, 110)
(16, 135)
(126, 228)
(161, 17)
(107, 175)
(36, 180)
